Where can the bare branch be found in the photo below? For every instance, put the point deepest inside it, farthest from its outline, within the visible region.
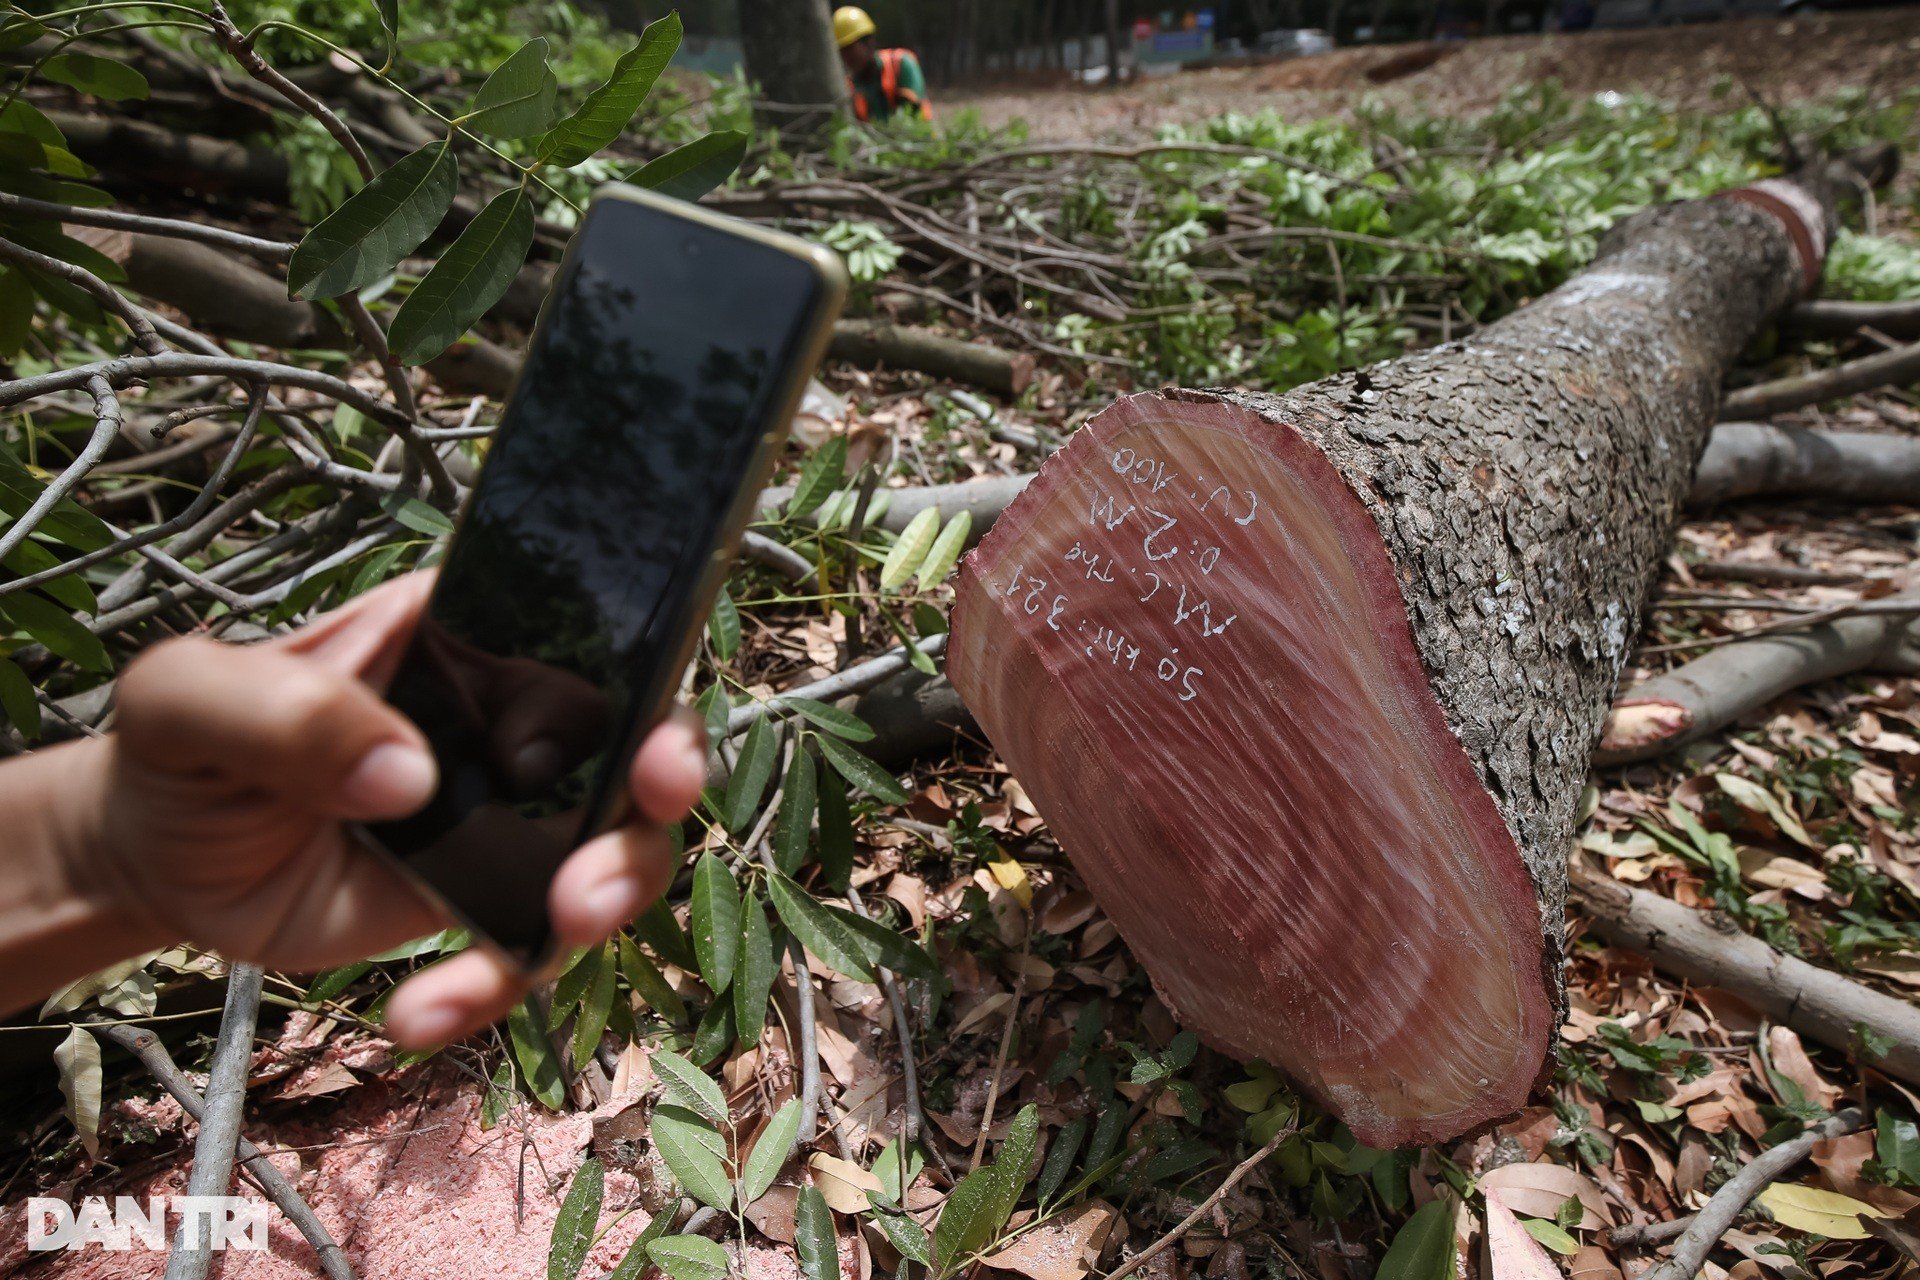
(226, 1099)
(96, 288)
(179, 229)
(107, 421)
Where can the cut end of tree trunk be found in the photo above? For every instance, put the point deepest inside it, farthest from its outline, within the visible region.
(1188, 640)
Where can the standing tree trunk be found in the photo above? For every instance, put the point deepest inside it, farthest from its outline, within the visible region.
(1113, 43)
(1307, 684)
(790, 54)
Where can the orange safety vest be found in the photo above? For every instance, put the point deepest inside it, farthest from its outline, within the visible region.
(889, 87)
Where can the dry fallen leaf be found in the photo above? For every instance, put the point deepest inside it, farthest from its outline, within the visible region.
(1539, 1189)
(842, 1183)
(1063, 1248)
(1790, 1060)
(1826, 1213)
(1512, 1253)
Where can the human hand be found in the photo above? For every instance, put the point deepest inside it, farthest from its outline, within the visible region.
(218, 806)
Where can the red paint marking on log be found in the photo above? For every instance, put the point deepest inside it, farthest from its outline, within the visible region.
(1187, 639)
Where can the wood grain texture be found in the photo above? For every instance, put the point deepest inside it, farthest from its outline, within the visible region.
(1307, 685)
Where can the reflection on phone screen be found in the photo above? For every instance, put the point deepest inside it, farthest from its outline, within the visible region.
(650, 382)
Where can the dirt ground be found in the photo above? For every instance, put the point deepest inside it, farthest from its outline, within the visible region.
(1782, 59)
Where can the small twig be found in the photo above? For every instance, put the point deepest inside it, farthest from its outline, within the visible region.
(115, 220)
(1730, 1201)
(1202, 1209)
(1000, 1057)
(779, 557)
(236, 43)
(219, 1137)
(855, 679)
(916, 1118)
(144, 1045)
(107, 421)
(144, 334)
(1637, 1235)
(855, 527)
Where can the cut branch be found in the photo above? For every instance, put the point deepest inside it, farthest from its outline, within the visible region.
(219, 1138)
(872, 344)
(1710, 950)
(1896, 368)
(1713, 691)
(1752, 460)
(1307, 684)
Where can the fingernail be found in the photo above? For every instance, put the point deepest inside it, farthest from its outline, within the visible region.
(391, 780)
(433, 1025)
(614, 901)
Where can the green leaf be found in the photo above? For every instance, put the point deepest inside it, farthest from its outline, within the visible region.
(945, 551)
(16, 312)
(843, 724)
(538, 1067)
(55, 628)
(499, 1096)
(813, 1236)
(723, 626)
(715, 1034)
(647, 982)
(914, 542)
(595, 1007)
(635, 1264)
(754, 972)
(1423, 1249)
(1014, 1164)
(1552, 1236)
(966, 1223)
(862, 772)
(383, 222)
(417, 514)
(574, 979)
(695, 1152)
(469, 277)
(689, 1258)
(897, 1166)
(906, 1236)
(17, 700)
(894, 950)
(331, 983)
(1059, 1162)
(657, 928)
(836, 837)
(17, 31)
(106, 78)
(689, 172)
(685, 1085)
(716, 920)
(389, 24)
(751, 773)
(607, 110)
(819, 477)
(1896, 1144)
(573, 1227)
(518, 98)
(799, 796)
(821, 930)
(770, 1152)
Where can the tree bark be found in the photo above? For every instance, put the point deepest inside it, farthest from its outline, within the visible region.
(1308, 684)
(789, 51)
(874, 343)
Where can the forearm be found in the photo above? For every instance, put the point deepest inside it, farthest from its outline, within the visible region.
(53, 928)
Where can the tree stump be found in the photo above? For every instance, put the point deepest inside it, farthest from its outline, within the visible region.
(1307, 685)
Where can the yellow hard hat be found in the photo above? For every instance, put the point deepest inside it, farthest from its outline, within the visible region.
(850, 23)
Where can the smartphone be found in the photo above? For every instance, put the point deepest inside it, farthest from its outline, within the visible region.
(667, 361)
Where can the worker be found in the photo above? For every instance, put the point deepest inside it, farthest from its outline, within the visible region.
(884, 81)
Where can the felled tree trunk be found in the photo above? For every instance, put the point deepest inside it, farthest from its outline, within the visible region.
(1307, 684)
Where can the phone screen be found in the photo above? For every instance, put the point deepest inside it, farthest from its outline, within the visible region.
(665, 352)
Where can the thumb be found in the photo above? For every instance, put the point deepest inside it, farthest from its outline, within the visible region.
(271, 720)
